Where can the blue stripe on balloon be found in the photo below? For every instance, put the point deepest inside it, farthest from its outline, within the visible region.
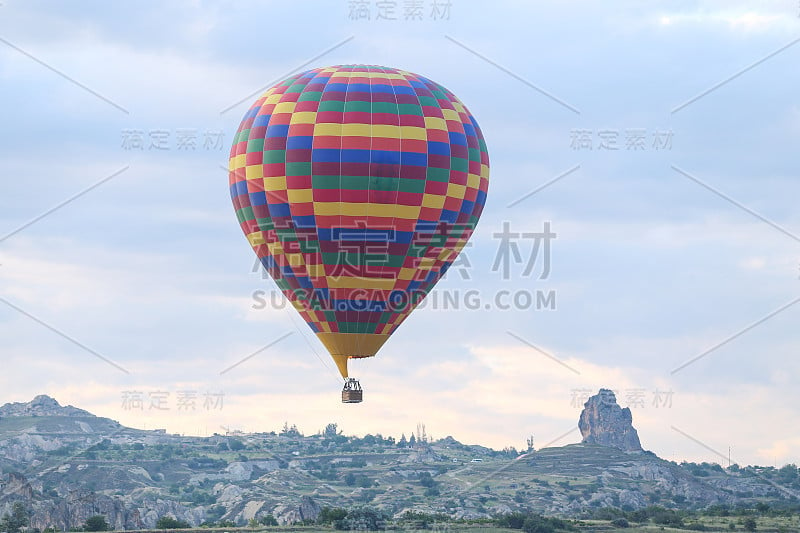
(448, 216)
(355, 156)
(261, 120)
(438, 148)
(238, 188)
(335, 87)
(258, 198)
(386, 157)
(358, 87)
(278, 130)
(414, 159)
(325, 155)
(457, 138)
(280, 210)
(303, 142)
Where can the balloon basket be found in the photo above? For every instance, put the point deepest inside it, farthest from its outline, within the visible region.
(352, 392)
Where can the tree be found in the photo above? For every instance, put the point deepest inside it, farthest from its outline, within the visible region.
(426, 480)
(331, 430)
(268, 520)
(290, 431)
(412, 441)
(530, 443)
(168, 522)
(96, 523)
(750, 523)
(620, 522)
(362, 519)
(402, 443)
(235, 445)
(331, 515)
(14, 522)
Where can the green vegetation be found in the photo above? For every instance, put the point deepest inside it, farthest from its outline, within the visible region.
(359, 518)
(169, 522)
(757, 517)
(268, 520)
(18, 519)
(534, 523)
(96, 523)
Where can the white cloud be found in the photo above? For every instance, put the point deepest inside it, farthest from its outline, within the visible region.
(780, 452)
(753, 263)
(735, 15)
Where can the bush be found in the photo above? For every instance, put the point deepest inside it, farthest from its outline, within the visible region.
(426, 480)
(750, 523)
(268, 520)
(536, 523)
(512, 520)
(235, 445)
(330, 515)
(362, 519)
(607, 513)
(96, 523)
(659, 515)
(620, 522)
(418, 520)
(168, 522)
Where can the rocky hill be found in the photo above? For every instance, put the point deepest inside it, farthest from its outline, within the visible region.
(42, 405)
(65, 465)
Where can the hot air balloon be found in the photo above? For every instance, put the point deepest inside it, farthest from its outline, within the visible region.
(357, 186)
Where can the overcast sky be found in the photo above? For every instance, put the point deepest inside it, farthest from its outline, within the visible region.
(659, 142)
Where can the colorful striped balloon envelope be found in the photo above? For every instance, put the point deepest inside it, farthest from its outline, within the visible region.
(357, 186)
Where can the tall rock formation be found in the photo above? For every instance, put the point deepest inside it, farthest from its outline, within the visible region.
(604, 422)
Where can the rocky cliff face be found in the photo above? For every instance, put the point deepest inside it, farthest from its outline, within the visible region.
(604, 422)
(296, 514)
(79, 505)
